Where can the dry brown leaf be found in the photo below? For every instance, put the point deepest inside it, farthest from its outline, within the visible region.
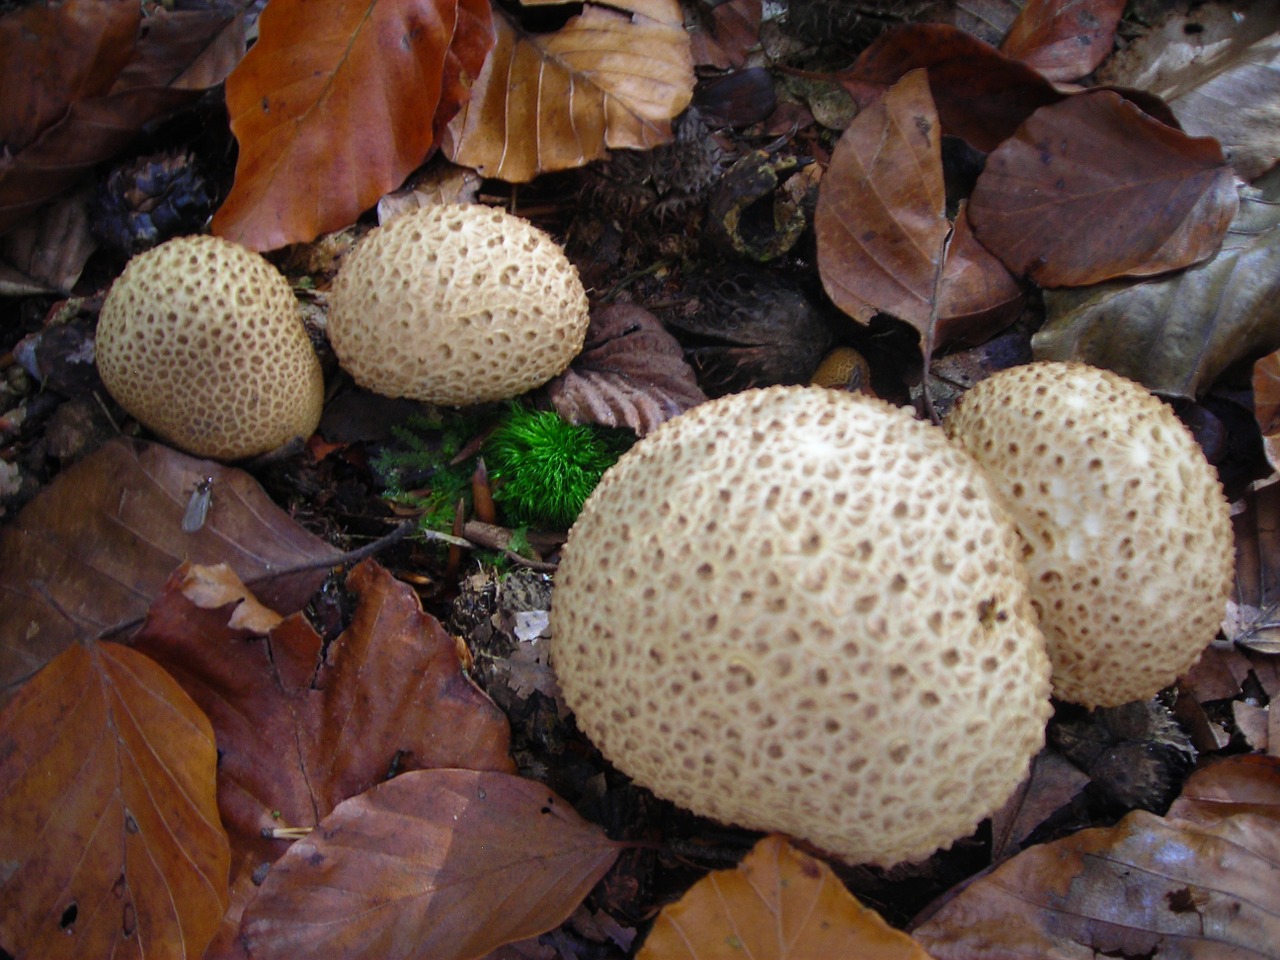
(446, 864)
(45, 253)
(109, 828)
(779, 904)
(90, 552)
(1218, 67)
(1266, 405)
(1253, 612)
(1054, 782)
(1063, 39)
(302, 727)
(1092, 188)
(75, 124)
(881, 220)
(337, 103)
(1176, 334)
(1199, 883)
(730, 31)
(982, 96)
(611, 78)
(631, 373)
(977, 296)
(988, 20)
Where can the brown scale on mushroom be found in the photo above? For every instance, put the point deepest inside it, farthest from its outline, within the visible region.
(1127, 535)
(202, 342)
(799, 610)
(456, 304)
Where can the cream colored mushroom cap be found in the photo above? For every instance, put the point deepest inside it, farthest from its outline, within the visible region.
(1127, 534)
(202, 342)
(799, 610)
(456, 304)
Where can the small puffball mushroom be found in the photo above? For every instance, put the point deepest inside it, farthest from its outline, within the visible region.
(1127, 535)
(456, 304)
(799, 610)
(202, 342)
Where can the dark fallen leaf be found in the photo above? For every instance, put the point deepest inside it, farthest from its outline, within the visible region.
(1266, 404)
(334, 106)
(108, 820)
(1199, 883)
(880, 228)
(1218, 67)
(1176, 334)
(777, 903)
(1064, 41)
(1253, 612)
(982, 96)
(91, 551)
(302, 727)
(46, 253)
(977, 296)
(988, 20)
(630, 373)
(447, 864)
(1092, 188)
(1053, 782)
(730, 31)
(176, 55)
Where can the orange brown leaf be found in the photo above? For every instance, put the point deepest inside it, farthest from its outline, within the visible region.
(1063, 40)
(611, 78)
(337, 103)
(447, 864)
(108, 820)
(881, 220)
(778, 903)
(1092, 188)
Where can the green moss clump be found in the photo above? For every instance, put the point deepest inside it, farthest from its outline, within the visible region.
(543, 467)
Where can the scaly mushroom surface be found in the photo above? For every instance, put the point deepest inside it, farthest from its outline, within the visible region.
(800, 610)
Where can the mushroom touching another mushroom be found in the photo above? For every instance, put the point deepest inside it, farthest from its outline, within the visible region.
(456, 304)
(202, 342)
(799, 610)
(1127, 535)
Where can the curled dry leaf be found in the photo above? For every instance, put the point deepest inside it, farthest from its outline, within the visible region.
(1064, 41)
(447, 864)
(1198, 883)
(1178, 333)
(1253, 612)
(1266, 405)
(611, 78)
(333, 107)
(1092, 188)
(982, 96)
(302, 727)
(85, 77)
(778, 903)
(88, 554)
(881, 220)
(108, 822)
(631, 373)
(977, 296)
(1218, 67)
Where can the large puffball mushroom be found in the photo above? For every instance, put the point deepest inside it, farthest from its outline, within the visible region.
(456, 304)
(799, 610)
(1127, 534)
(202, 342)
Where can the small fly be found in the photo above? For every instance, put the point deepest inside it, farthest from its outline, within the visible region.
(198, 506)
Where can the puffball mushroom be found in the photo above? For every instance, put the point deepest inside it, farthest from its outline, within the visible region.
(456, 304)
(201, 341)
(799, 610)
(1127, 534)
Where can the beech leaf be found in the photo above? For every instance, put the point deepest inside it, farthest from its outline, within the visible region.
(1199, 883)
(1266, 404)
(131, 72)
(778, 903)
(611, 78)
(1092, 188)
(110, 843)
(1253, 612)
(1176, 334)
(982, 96)
(89, 553)
(1218, 67)
(631, 373)
(881, 220)
(302, 726)
(446, 864)
(1063, 39)
(337, 103)
(977, 296)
